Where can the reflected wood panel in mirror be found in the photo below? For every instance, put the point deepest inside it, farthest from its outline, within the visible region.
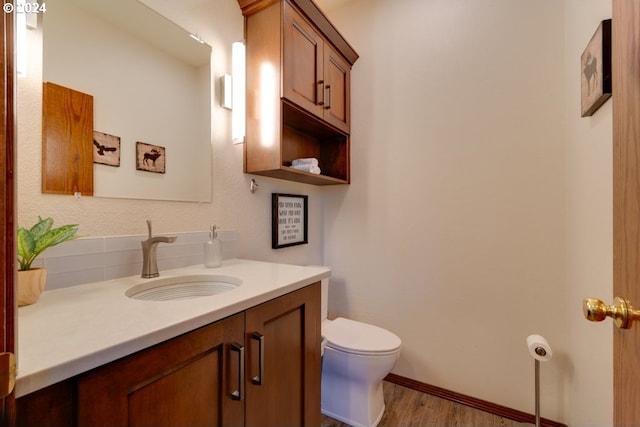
(67, 133)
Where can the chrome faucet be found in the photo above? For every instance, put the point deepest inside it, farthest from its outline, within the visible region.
(149, 258)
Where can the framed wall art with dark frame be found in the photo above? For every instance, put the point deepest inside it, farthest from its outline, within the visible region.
(289, 215)
(106, 149)
(595, 70)
(150, 158)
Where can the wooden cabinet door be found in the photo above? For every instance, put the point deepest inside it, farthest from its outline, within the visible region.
(337, 76)
(303, 62)
(283, 360)
(52, 406)
(181, 382)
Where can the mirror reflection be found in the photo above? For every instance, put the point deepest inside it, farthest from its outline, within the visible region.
(151, 85)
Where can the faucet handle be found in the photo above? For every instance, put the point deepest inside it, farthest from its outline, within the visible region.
(149, 227)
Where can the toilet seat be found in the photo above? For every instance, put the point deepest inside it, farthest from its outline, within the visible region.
(356, 337)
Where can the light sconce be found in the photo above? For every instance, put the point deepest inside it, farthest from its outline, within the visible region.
(238, 92)
(226, 92)
(21, 41)
(26, 18)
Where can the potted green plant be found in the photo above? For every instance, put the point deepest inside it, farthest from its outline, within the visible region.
(31, 243)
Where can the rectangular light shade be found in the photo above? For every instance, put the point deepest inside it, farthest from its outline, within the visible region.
(238, 92)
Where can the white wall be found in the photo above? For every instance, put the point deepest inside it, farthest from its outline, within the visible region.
(479, 199)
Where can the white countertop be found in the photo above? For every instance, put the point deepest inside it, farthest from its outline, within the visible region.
(72, 330)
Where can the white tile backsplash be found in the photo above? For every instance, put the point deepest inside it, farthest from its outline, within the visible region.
(93, 259)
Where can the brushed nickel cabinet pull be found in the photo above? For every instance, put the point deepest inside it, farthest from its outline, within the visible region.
(328, 89)
(239, 393)
(320, 89)
(259, 379)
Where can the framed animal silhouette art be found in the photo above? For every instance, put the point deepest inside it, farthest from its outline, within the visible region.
(595, 70)
(106, 149)
(150, 158)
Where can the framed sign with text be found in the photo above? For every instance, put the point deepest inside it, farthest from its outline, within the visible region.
(288, 220)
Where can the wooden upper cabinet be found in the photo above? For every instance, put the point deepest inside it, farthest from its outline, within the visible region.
(316, 77)
(298, 91)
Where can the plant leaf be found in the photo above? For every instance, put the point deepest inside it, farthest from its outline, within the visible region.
(41, 227)
(55, 236)
(26, 245)
(64, 233)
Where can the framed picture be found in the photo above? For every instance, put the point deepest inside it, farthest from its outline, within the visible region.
(288, 220)
(150, 158)
(595, 70)
(106, 149)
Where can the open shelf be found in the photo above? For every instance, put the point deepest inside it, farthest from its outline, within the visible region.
(303, 135)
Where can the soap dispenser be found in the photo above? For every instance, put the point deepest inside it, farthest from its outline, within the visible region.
(213, 249)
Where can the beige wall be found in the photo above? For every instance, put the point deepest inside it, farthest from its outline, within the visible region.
(589, 234)
(479, 210)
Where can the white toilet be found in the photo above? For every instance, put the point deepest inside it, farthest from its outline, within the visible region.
(356, 358)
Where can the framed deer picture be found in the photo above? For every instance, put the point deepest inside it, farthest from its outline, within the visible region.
(595, 70)
(150, 158)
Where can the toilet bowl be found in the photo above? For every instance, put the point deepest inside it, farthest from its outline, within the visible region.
(357, 357)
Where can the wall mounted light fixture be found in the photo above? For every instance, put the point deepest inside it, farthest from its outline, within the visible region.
(26, 18)
(238, 92)
(21, 40)
(226, 92)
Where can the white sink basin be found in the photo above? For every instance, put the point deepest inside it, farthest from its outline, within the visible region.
(183, 287)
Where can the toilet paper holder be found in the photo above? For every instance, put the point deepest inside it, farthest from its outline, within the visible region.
(540, 350)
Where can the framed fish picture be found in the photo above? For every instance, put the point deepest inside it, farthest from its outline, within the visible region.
(595, 70)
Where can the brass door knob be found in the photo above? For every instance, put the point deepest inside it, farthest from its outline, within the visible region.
(622, 313)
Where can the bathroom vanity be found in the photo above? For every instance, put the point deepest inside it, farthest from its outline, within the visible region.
(249, 356)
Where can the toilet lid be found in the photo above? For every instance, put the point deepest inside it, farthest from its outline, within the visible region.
(356, 337)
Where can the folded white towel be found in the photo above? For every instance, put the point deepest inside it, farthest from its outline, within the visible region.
(307, 168)
(305, 161)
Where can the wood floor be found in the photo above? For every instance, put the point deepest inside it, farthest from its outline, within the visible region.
(409, 408)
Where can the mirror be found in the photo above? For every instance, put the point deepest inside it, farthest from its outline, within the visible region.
(151, 85)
